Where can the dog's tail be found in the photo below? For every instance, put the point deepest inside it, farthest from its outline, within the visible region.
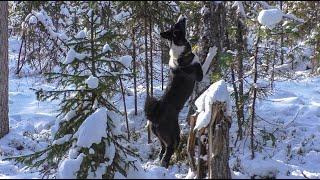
(151, 109)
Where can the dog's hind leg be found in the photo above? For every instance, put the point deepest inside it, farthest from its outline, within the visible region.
(162, 151)
(167, 156)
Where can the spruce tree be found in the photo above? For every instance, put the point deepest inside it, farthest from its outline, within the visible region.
(88, 141)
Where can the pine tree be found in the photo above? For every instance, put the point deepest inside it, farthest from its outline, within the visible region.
(88, 129)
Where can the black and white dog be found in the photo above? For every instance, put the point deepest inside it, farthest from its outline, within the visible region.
(185, 70)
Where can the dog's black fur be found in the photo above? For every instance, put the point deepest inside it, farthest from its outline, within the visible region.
(184, 72)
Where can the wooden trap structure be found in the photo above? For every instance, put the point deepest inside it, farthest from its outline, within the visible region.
(216, 150)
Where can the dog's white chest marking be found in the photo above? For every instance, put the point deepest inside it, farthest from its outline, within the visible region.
(175, 52)
(195, 60)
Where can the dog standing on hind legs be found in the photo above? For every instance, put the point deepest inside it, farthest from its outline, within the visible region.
(185, 70)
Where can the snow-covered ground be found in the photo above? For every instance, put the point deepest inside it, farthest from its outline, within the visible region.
(291, 113)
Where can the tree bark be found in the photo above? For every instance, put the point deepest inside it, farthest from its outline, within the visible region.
(151, 61)
(146, 60)
(4, 70)
(281, 40)
(255, 78)
(240, 48)
(146, 47)
(134, 70)
(218, 157)
(212, 34)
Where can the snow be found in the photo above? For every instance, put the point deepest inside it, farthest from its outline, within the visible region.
(293, 106)
(217, 92)
(68, 168)
(121, 16)
(295, 30)
(110, 152)
(72, 55)
(91, 151)
(64, 11)
(98, 173)
(71, 114)
(92, 82)
(29, 119)
(204, 10)
(62, 140)
(191, 175)
(46, 21)
(92, 129)
(33, 20)
(81, 34)
(294, 109)
(116, 120)
(126, 60)
(270, 17)
(265, 5)
(106, 48)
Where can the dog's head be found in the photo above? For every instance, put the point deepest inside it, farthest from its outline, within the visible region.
(177, 32)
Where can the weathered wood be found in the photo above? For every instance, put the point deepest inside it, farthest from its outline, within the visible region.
(191, 142)
(149, 133)
(211, 126)
(201, 167)
(220, 145)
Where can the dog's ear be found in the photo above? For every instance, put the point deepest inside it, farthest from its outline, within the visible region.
(166, 35)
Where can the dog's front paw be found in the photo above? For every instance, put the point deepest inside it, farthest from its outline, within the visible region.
(213, 50)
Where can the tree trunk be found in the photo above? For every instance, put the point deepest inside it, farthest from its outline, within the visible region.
(134, 70)
(281, 39)
(212, 34)
(218, 158)
(4, 70)
(240, 48)
(151, 61)
(125, 107)
(146, 60)
(20, 52)
(146, 47)
(255, 78)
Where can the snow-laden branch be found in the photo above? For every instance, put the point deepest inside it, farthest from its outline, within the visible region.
(266, 6)
(46, 21)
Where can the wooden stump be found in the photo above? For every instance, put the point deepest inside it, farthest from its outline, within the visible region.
(218, 145)
(191, 142)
